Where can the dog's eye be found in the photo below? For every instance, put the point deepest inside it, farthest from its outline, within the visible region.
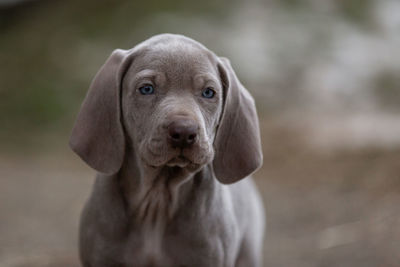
(208, 93)
(146, 89)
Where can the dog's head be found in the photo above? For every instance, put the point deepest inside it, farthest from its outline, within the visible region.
(176, 104)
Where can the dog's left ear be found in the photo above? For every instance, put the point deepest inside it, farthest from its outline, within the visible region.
(97, 136)
(237, 143)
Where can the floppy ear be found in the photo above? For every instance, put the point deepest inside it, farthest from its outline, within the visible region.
(97, 136)
(237, 143)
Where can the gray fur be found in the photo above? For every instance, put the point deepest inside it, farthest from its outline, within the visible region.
(158, 205)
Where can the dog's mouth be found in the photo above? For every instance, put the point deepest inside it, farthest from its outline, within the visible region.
(179, 161)
(184, 158)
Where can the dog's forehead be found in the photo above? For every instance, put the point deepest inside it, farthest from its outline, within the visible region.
(175, 54)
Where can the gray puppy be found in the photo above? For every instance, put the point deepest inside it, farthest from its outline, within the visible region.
(168, 126)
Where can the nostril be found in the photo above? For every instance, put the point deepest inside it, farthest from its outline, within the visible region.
(191, 137)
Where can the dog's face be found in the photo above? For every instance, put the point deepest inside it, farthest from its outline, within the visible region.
(176, 104)
(171, 104)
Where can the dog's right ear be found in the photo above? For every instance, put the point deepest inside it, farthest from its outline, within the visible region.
(97, 136)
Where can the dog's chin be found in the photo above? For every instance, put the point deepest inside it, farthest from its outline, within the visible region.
(183, 159)
(184, 163)
(180, 162)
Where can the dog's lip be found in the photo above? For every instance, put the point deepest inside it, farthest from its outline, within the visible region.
(179, 161)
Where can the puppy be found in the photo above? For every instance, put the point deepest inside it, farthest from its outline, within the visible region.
(171, 132)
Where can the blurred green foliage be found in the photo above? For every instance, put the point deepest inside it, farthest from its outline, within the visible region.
(387, 90)
(355, 10)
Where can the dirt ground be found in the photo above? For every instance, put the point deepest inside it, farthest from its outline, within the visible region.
(337, 208)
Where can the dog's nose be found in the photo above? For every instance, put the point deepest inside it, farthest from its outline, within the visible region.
(182, 133)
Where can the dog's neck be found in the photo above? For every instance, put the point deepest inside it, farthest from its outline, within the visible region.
(153, 195)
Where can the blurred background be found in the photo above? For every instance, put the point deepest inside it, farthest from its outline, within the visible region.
(326, 78)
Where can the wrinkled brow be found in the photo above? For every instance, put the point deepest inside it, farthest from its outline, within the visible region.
(206, 79)
(150, 75)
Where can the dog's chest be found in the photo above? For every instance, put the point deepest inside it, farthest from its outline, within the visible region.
(188, 238)
(180, 245)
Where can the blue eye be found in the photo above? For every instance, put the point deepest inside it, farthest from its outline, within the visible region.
(208, 93)
(146, 89)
